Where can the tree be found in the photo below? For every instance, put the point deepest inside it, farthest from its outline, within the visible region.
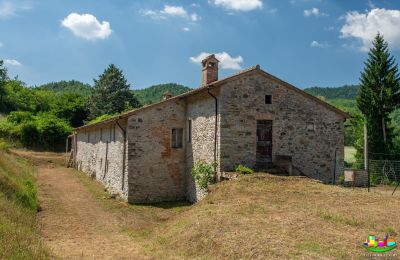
(379, 95)
(3, 81)
(111, 94)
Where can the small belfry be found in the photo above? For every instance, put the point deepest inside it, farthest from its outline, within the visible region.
(210, 70)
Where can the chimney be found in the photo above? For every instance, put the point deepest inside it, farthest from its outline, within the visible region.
(210, 70)
(167, 95)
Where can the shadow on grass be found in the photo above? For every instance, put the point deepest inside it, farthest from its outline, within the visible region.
(165, 205)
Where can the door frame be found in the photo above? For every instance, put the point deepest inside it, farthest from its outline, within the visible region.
(272, 137)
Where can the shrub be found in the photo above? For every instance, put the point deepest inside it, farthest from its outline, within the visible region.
(52, 130)
(204, 173)
(18, 117)
(243, 169)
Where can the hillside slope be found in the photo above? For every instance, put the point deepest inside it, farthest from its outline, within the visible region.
(154, 93)
(71, 86)
(344, 92)
(18, 207)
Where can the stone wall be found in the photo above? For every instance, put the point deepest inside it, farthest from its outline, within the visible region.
(100, 154)
(201, 111)
(156, 170)
(302, 128)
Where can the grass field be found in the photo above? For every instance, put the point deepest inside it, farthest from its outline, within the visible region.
(18, 207)
(260, 216)
(349, 154)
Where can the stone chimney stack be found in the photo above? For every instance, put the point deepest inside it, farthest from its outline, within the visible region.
(167, 95)
(210, 70)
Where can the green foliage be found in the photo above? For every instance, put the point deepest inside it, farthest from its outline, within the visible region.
(111, 94)
(379, 95)
(345, 92)
(19, 117)
(70, 106)
(154, 93)
(243, 169)
(52, 130)
(99, 119)
(71, 87)
(204, 173)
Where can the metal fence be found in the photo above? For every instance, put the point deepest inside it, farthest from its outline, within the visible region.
(383, 173)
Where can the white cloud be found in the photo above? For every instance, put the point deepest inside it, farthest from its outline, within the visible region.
(316, 44)
(186, 29)
(1, 44)
(238, 5)
(12, 63)
(170, 11)
(87, 26)
(226, 61)
(174, 11)
(194, 17)
(11, 8)
(314, 11)
(365, 26)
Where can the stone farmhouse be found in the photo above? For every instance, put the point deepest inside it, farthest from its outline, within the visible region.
(251, 118)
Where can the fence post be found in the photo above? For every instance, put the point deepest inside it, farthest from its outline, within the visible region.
(366, 159)
(334, 169)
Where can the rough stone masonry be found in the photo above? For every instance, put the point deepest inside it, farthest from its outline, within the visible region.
(250, 118)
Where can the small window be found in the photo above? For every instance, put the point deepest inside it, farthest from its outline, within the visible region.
(190, 131)
(177, 135)
(268, 99)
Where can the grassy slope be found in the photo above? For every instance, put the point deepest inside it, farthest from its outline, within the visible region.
(280, 217)
(18, 207)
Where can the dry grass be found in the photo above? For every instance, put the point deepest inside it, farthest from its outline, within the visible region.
(279, 217)
(259, 216)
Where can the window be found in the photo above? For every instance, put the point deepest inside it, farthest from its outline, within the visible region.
(177, 135)
(190, 131)
(268, 99)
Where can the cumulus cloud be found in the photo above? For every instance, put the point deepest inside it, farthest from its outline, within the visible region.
(186, 29)
(174, 11)
(87, 26)
(170, 11)
(316, 44)
(11, 8)
(238, 5)
(12, 63)
(365, 26)
(314, 12)
(226, 61)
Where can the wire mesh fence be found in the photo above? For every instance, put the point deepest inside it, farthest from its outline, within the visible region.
(383, 172)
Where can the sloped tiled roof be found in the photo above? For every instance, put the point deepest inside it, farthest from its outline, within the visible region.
(218, 83)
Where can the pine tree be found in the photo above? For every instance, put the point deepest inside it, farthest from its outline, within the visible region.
(3, 81)
(379, 95)
(111, 94)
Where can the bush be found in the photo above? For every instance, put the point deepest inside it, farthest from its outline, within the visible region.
(204, 174)
(52, 130)
(18, 117)
(243, 169)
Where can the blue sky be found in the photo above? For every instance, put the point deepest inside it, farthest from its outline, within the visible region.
(304, 42)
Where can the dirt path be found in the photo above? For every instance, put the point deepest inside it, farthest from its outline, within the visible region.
(73, 224)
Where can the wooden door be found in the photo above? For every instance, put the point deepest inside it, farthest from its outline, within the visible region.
(264, 143)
